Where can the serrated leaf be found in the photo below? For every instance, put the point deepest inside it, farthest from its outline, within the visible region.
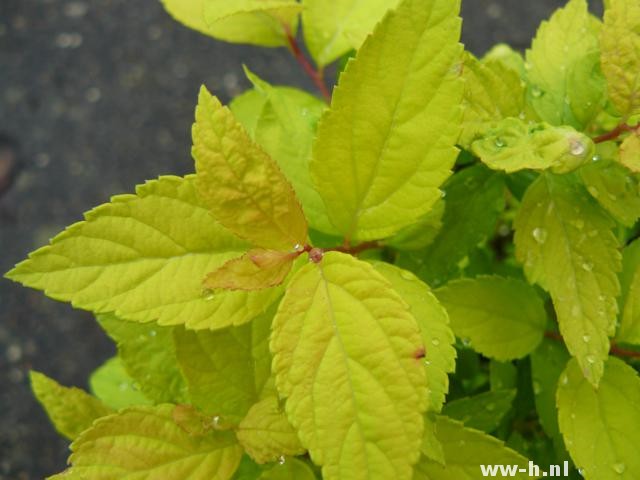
(630, 285)
(630, 152)
(503, 54)
(483, 411)
(566, 86)
(242, 186)
(474, 200)
(566, 245)
(402, 85)
(143, 257)
(502, 318)
(421, 234)
(465, 451)
(548, 361)
(188, 12)
(145, 442)
(227, 371)
(600, 425)
(615, 189)
(148, 355)
(255, 270)
(346, 394)
(283, 121)
(112, 384)
(332, 30)
(492, 92)
(291, 469)
(71, 410)
(257, 22)
(513, 145)
(439, 354)
(620, 43)
(266, 434)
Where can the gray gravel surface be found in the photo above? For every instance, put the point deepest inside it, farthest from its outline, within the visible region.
(99, 94)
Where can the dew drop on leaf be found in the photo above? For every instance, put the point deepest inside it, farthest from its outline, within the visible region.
(564, 380)
(577, 148)
(208, 295)
(407, 275)
(595, 158)
(499, 142)
(619, 468)
(591, 359)
(586, 338)
(575, 311)
(539, 235)
(536, 92)
(281, 460)
(435, 342)
(588, 266)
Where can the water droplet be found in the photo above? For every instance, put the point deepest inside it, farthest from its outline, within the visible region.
(537, 388)
(443, 193)
(536, 92)
(575, 311)
(281, 460)
(522, 116)
(595, 158)
(588, 266)
(427, 363)
(215, 422)
(619, 468)
(586, 338)
(407, 275)
(208, 295)
(591, 359)
(466, 342)
(499, 142)
(579, 224)
(491, 407)
(540, 235)
(577, 148)
(581, 471)
(152, 333)
(564, 380)
(435, 342)
(298, 248)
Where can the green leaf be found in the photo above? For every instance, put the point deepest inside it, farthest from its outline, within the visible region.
(227, 371)
(503, 54)
(502, 318)
(620, 43)
(439, 355)
(402, 85)
(146, 442)
(474, 200)
(255, 270)
(321, 362)
(143, 257)
(112, 384)
(600, 426)
(615, 189)
(484, 411)
(247, 109)
(148, 355)
(630, 285)
(291, 469)
(266, 434)
(243, 187)
(548, 361)
(492, 92)
(514, 145)
(421, 234)
(630, 152)
(71, 410)
(566, 86)
(566, 245)
(257, 22)
(283, 122)
(332, 30)
(188, 12)
(248, 469)
(465, 450)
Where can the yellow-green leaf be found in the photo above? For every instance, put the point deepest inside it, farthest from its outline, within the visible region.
(502, 318)
(513, 145)
(620, 43)
(145, 443)
(403, 84)
(630, 152)
(630, 284)
(439, 355)
(241, 184)
(255, 270)
(114, 386)
(188, 12)
(465, 450)
(266, 434)
(566, 245)
(291, 469)
(483, 411)
(227, 371)
(332, 29)
(492, 92)
(71, 410)
(357, 405)
(566, 86)
(600, 425)
(143, 257)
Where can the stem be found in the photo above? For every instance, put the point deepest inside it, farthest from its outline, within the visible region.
(615, 349)
(613, 134)
(356, 249)
(316, 75)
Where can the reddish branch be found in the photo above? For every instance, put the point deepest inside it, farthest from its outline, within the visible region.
(613, 134)
(316, 75)
(615, 349)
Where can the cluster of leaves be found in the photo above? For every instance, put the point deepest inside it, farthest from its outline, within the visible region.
(448, 228)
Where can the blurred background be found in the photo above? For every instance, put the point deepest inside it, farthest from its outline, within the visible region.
(95, 97)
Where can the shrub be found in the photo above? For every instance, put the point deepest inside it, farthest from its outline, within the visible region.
(447, 228)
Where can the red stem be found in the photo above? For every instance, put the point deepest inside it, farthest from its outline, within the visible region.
(356, 249)
(313, 73)
(615, 349)
(613, 134)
